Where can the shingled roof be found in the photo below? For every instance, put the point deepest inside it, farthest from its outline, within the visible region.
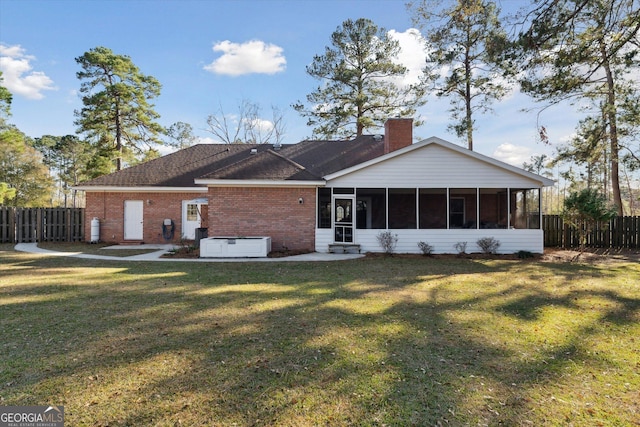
(305, 161)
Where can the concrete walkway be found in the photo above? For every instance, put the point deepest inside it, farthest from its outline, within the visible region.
(163, 249)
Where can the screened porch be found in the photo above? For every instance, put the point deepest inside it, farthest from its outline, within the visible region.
(439, 216)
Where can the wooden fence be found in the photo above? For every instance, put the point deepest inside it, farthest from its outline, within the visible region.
(26, 225)
(622, 232)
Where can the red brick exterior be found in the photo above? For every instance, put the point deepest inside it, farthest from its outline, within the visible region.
(233, 211)
(109, 208)
(272, 212)
(398, 133)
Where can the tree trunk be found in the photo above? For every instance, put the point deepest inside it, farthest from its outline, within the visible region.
(469, 122)
(118, 140)
(360, 108)
(467, 94)
(611, 111)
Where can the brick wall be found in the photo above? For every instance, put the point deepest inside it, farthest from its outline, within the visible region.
(272, 212)
(109, 208)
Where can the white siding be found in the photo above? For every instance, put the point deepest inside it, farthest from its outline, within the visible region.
(324, 236)
(433, 166)
(443, 241)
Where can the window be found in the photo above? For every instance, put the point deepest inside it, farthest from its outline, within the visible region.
(493, 208)
(462, 208)
(433, 207)
(192, 212)
(343, 210)
(402, 208)
(371, 210)
(324, 208)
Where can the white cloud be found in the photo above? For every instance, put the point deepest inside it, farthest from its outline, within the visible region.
(412, 54)
(252, 57)
(18, 75)
(260, 125)
(515, 155)
(13, 51)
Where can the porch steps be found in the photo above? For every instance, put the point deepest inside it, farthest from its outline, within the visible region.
(343, 247)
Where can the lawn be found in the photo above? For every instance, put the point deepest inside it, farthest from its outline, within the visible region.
(376, 341)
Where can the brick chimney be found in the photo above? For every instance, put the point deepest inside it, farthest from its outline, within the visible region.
(398, 133)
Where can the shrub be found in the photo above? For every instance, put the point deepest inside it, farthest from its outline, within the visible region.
(461, 247)
(524, 254)
(186, 246)
(426, 248)
(584, 210)
(488, 245)
(387, 241)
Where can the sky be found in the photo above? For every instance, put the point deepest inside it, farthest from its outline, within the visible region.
(210, 55)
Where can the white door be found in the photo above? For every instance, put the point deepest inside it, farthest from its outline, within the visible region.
(343, 219)
(193, 212)
(133, 219)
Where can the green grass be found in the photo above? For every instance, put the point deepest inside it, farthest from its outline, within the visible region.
(375, 341)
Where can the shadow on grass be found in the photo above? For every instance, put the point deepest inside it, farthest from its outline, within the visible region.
(368, 342)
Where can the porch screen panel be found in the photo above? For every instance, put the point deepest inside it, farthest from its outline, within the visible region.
(525, 208)
(371, 208)
(533, 205)
(433, 207)
(462, 208)
(324, 208)
(345, 190)
(402, 208)
(493, 208)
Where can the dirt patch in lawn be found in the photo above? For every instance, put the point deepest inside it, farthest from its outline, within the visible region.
(187, 252)
(591, 255)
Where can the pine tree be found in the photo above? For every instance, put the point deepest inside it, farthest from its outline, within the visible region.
(116, 104)
(359, 90)
(467, 40)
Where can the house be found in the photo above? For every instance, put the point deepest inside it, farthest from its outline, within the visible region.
(315, 194)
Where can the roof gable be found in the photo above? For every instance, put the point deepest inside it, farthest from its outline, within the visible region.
(458, 158)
